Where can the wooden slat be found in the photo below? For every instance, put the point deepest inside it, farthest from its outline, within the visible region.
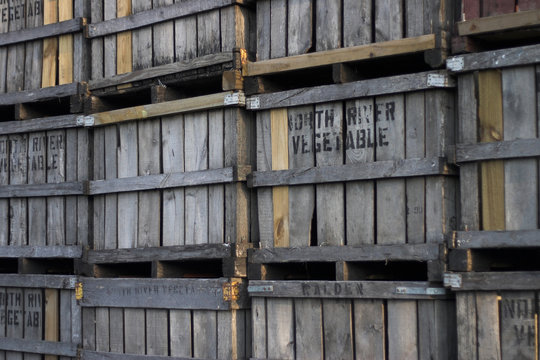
(3, 311)
(470, 9)
(495, 281)
(265, 209)
(14, 319)
(280, 161)
(216, 193)
(4, 180)
(18, 172)
(29, 96)
(172, 132)
(388, 20)
(206, 102)
(496, 7)
(40, 190)
(157, 332)
(4, 28)
(520, 176)
(134, 331)
(356, 53)
(65, 45)
(65, 317)
(37, 223)
(338, 329)
(123, 40)
(41, 251)
(97, 49)
(185, 39)
(301, 198)
(353, 90)
(518, 328)
(299, 26)
(39, 347)
(345, 290)
(42, 32)
(263, 30)
(16, 53)
(504, 22)
(116, 329)
(102, 329)
(496, 239)
(466, 325)
(34, 49)
(278, 28)
(38, 281)
(357, 23)
(141, 38)
(402, 315)
(328, 18)
(308, 317)
(56, 173)
(204, 334)
(487, 310)
(280, 328)
(411, 252)
(490, 116)
(153, 16)
(511, 149)
(369, 328)
(52, 318)
(163, 38)
(110, 48)
(181, 333)
(50, 46)
(183, 294)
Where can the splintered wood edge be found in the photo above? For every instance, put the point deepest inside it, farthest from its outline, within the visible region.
(349, 54)
(499, 23)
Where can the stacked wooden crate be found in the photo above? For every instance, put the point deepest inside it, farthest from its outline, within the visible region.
(44, 162)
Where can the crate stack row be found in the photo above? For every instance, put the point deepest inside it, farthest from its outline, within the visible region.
(269, 179)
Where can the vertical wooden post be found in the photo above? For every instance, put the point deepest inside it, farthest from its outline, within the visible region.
(490, 116)
(50, 45)
(280, 161)
(52, 318)
(65, 45)
(123, 40)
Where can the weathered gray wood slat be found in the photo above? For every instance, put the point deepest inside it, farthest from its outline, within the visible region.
(180, 326)
(109, 59)
(102, 329)
(65, 318)
(110, 201)
(352, 90)
(184, 294)
(82, 59)
(369, 328)
(278, 28)
(265, 210)
(38, 347)
(521, 148)
(163, 38)
(4, 27)
(345, 289)
(518, 328)
(157, 332)
(496, 239)
(36, 252)
(116, 329)
(162, 70)
(48, 93)
(154, 16)
(352, 172)
(412, 252)
(280, 328)
(402, 315)
(34, 54)
(37, 214)
(204, 251)
(491, 281)
(4, 180)
(141, 38)
(18, 171)
(466, 325)
(216, 193)
(338, 332)
(96, 355)
(38, 190)
(205, 334)
(33, 310)
(14, 329)
(496, 59)
(300, 26)
(45, 31)
(308, 319)
(263, 31)
(258, 319)
(388, 20)
(134, 331)
(488, 330)
(97, 49)
(72, 157)
(39, 281)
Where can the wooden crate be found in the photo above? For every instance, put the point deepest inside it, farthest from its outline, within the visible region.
(41, 45)
(351, 320)
(140, 42)
(39, 316)
(175, 177)
(497, 314)
(497, 148)
(335, 31)
(43, 166)
(472, 9)
(181, 318)
(356, 163)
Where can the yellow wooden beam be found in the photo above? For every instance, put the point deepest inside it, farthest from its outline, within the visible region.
(124, 62)
(50, 45)
(504, 22)
(65, 45)
(355, 53)
(280, 161)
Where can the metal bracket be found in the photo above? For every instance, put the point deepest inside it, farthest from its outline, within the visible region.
(260, 289)
(237, 98)
(455, 63)
(85, 121)
(438, 80)
(79, 291)
(231, 291)
(253, 103)
(453, 281)
(420, 291)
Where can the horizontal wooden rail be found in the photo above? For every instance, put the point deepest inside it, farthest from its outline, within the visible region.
(496, 239)
(189, 294)
(521, 148)
(39, 190)
(67, 282)
(43, 94)
(347, 289)
(351, 172)
(167, 181)
(155, 16)
(41, 124)
(493, 281)
(98, 355)
(505, 22)
(199, 103)
(496, 59)
(162, 70)
(409, 252)
(38, 347)
(42, 32)
(37, 252)
(352, 90)
(349, 54)
(164, 253)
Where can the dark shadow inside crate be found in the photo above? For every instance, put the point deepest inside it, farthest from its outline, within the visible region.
(7, 113)
(9, 266)
(207, 269)
(36, 110)
(299, 271)
(386, 270)
(123, 270)
(47, 266)
(522, 259)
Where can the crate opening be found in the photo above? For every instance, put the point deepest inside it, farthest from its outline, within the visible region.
(47, 266)
(523, 259)
(9, 266)
(124, 270)
(190, 269)
(299, 271)
(386, 270)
